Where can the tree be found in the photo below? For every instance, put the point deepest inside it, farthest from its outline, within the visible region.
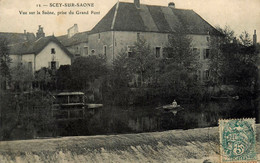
(64, 78)
(22, 78)
(31, 112)
(178, 70)
(44, 78)
(234, 63)
(229, 34)
(116, 88)
(86, 69)
(216, 61)
(4, 63)
(142, 62)
(245, 39)
(240, 65)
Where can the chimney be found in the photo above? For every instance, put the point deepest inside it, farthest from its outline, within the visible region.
(137, 3)
(40, 32)
(254, 38)
(24, 35)
(171, 5)
(73, 30)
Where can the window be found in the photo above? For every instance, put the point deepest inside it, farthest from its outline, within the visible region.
(93, 51)
(99, 36)
(208, 38)
(30, 66)
(199, 75)
(130, 51)
(158, 52)
(105, 50)
(77, 50)
(54, 65)
(138, 36)
(85, 50)
(53, 51)
(196, 51)
(206, 53)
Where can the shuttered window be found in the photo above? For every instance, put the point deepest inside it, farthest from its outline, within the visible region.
(158, 52)
(30, 66)
(206, 53)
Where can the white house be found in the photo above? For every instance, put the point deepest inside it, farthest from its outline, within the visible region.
(43, 52)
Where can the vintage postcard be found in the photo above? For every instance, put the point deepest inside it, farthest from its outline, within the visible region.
(129, 80)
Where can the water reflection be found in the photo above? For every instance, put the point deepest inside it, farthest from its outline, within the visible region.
(123, 119)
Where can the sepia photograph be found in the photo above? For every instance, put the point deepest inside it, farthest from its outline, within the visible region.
(111, 81)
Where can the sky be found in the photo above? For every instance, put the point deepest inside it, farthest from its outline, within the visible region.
(240, 15)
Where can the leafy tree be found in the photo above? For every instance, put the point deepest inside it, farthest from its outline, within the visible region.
(240, 65)
(64, 78)
(28, 113)
(234, 63)
(116, 88)
(4, 63)
(179, 67)
(44, 78)
(245, 38)
(121, 73)
(217, 61)
(142, 62)
(229, 34)
(86, 70)
(22, 78)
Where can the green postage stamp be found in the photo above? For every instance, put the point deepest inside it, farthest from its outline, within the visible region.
(237, 141)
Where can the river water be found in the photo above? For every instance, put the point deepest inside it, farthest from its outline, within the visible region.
(135, 119)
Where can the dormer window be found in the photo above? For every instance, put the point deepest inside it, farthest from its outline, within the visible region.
(53, 51)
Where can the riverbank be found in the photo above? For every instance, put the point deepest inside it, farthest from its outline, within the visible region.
(195, 145)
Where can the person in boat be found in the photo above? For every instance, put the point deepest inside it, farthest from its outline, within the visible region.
(174, 103)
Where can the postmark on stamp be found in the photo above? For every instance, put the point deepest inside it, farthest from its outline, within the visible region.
(237, 141)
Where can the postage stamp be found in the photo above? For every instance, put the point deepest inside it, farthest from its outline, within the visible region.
(237, 141)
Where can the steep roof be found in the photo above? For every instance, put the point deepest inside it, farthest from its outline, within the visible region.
(34, 47)
(14, 38)
(148, 18)
(75, 39)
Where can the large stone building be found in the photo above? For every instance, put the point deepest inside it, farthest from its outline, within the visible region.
(125, 22)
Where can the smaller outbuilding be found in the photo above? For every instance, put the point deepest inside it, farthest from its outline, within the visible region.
(43, 52)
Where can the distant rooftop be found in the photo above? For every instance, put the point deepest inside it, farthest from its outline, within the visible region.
(14, 38)
(75, 39)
